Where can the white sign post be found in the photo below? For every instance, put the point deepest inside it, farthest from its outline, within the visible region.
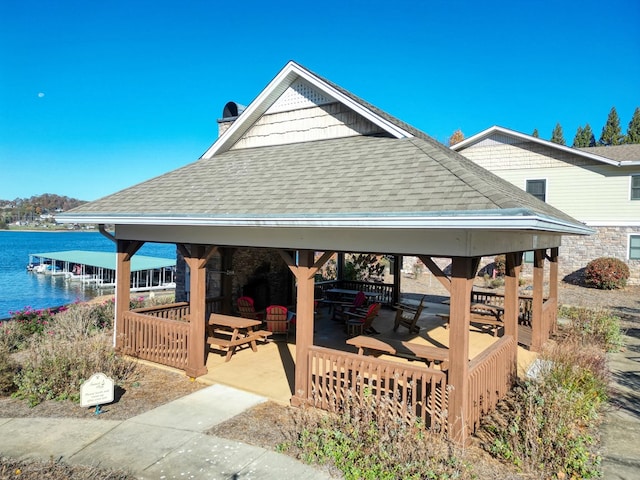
(96, 391)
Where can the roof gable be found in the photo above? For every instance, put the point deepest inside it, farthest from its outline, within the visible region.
(295, 88)
(503, 135)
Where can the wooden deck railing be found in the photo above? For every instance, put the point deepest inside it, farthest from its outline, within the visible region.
(155, 339)
(525, 303)
(335, 377)
(171, 311)
(384, 291)
(160, 333)
(491, 375)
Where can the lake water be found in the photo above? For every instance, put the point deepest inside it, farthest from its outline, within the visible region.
(20, 289)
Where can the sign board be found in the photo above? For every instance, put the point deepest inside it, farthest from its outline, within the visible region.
(98, 390)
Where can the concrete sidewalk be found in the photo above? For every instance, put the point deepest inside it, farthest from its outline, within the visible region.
(166, 442)
(621, 428)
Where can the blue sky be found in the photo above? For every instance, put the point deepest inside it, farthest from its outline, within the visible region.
(99, 96)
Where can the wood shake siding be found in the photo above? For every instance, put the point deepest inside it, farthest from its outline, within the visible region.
(304, 125)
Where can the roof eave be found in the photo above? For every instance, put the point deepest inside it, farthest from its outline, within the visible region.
(483, 222)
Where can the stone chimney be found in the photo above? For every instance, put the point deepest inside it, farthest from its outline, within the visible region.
(230, 113)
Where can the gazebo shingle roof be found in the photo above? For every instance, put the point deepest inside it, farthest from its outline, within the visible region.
(354, 175)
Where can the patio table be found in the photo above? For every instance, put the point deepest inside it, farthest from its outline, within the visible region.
(400, 348)
(227, 333)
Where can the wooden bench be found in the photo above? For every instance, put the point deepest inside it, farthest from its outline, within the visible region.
(399, 348)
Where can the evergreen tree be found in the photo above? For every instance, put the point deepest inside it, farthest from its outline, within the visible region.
(584, 137)
(588, 136)
(557, 136)
(535, 133)
(578, 140)
(611, 133)
(633, 132)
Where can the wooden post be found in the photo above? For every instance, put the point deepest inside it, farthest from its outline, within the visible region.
(459, 315)
(125, 250)
(304, 269)
(340, 267)
(197, 347)
(538, 335)
(226, 290)
(397, 267)
(511, 301)
(553, 289)
(305, 274)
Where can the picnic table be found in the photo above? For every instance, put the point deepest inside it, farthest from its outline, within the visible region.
(227, 333)
(400, 348)
(484, 314)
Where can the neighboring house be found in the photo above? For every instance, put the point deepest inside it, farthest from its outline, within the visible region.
(599, 186)
(308, 170)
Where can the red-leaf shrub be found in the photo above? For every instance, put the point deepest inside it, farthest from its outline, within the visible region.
(606, 273)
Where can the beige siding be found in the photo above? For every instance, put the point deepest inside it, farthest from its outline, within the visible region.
(304, 125)
(590, 191)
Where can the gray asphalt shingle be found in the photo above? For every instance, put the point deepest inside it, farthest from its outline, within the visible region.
(354, 175)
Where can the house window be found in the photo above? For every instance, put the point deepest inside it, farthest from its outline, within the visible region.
(635, 187)
(538, 188)
(634, 247)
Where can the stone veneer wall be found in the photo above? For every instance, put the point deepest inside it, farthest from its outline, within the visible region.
(577, 251)
(250, 265)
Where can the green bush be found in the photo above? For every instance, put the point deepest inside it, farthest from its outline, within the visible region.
(606, 273)
(546, 426)
(22, 325)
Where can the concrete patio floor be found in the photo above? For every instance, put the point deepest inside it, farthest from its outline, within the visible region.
(269, 372)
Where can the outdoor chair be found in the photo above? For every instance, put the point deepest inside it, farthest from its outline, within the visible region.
(247, 310)
(278, 320)
(342, 309)
(407, 316)
(358, 323)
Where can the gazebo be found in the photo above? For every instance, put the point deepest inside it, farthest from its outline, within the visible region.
(308, 169)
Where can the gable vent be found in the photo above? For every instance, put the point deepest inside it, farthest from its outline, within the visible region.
(299, 95)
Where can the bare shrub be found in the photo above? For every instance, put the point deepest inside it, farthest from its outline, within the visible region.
(8, 370)
(371, 439)
(546, 427)
(74, 348)
(593, 326)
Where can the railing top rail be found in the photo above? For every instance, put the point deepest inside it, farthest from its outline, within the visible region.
(152, 318)
(496, 346)
(159, 308)
(377, 361)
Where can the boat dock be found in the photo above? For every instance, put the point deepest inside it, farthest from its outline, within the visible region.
(98, 269)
